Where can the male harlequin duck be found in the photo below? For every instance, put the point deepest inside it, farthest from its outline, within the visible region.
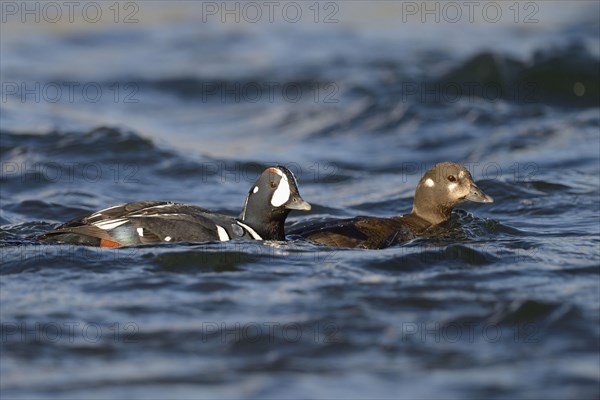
(267, 205)
(441, 188)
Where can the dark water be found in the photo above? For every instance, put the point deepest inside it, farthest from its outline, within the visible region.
(505, 304)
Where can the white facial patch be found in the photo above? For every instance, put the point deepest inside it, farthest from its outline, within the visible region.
(283, 192)
(461, 174)
(255, 189)
(452, 187)
(223, 236)
(140, 231)
(429, 182)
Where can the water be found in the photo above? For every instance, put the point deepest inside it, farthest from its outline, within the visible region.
(505, 304)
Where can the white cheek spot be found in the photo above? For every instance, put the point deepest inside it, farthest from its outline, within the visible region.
(429, 182)
(255, 189)
(140, 231)
(282, 193)
(452, 187)
(223, 236)
(461, 174)
(167, 238)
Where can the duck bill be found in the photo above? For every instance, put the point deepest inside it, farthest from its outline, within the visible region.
(297, 203)
(476, 195)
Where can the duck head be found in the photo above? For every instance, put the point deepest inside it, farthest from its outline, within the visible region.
(441, 188)
(274, 194)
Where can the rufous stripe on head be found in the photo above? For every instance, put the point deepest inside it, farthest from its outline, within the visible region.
(275, 171)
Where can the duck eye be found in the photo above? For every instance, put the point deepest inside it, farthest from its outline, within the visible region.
(273, 184)
(451, 178)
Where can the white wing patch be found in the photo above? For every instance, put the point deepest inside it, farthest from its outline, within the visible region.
(255, 190)
(104, 210)
(154, 215)
(167, 238)
(99, 213)
(110, 224)
(140, 231)
(159, 206)
(251, 231)
(223, 236)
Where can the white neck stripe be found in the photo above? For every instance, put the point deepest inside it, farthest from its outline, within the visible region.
(245, 205)
(251, 231)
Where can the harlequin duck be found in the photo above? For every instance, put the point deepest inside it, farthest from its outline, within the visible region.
(267, 205)
(441, 188)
